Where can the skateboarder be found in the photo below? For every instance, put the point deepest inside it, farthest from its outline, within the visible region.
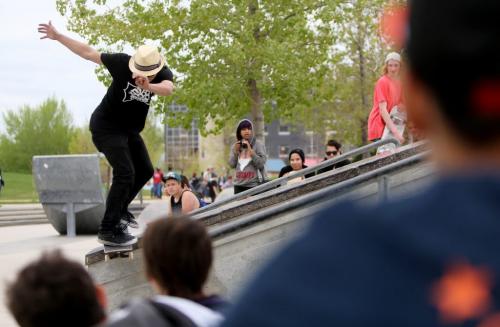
(117, 122)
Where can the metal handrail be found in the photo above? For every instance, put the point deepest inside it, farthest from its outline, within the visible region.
(317, 196)
(282, 180)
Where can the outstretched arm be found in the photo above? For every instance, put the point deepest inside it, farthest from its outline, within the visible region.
(163, 88)
(82, 49)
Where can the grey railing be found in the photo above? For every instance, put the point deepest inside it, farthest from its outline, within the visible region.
(283, 180)
(322, 195)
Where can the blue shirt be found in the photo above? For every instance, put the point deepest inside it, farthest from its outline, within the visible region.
(384, 265)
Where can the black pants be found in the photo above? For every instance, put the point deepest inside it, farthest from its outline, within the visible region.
(132, 168)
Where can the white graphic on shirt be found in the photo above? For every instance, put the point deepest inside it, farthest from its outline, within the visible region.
(133, 92)
(243, 162)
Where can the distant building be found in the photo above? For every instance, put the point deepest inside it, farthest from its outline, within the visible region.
(181, 145)
(282, 138)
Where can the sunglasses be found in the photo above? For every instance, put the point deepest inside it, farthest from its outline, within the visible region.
(331, 153)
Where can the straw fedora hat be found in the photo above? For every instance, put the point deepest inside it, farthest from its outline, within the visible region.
(146, 61)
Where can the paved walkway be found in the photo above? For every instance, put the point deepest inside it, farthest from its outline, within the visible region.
(21, 244)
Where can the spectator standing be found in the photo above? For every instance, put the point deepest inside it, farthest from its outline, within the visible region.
(333, 149)
(157, 183)
(248, 158)
(53, 291)
(195, 182)
(386, 98)
(213, 190)
(2, 182)
(430, 259)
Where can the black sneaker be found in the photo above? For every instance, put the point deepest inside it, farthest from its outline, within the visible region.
(116, 237)
(129, 219)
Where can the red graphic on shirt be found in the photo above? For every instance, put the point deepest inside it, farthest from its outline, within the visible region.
(464, 292)
(245, 175)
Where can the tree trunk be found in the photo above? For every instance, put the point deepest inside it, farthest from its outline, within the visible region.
(257, 113)
(362, 89)
(256, 110)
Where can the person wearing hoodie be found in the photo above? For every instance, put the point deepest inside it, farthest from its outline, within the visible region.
(248, 158)
(296, 160)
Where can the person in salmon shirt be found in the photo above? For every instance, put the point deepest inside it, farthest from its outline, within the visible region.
(386, 97)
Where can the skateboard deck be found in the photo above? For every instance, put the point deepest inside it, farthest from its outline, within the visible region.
(125, 251)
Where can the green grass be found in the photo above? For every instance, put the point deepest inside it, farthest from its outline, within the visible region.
(18, 188)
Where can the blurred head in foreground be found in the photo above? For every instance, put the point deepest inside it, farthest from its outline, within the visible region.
(54, 291)
(452, 82)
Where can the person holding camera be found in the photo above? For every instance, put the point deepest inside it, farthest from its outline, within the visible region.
(248, 157)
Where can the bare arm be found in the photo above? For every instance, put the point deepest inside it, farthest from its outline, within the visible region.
(388, 121)
(81, 49)
(164, 88)
(189, 202)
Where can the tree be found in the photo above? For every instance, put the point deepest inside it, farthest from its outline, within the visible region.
(362, 51)
(153, 138)
(44, 130)
(232, 58)
(81, 142)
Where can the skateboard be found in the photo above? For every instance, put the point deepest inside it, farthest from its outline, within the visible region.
(111, 252)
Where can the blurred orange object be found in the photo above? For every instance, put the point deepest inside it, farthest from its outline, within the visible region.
(394, 25)
(464, 292)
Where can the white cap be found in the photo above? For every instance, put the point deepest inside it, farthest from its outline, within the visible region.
(393, 56)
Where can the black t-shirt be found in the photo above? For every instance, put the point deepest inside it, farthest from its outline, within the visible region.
(125, 106)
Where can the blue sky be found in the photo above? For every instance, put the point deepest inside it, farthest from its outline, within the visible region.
(34, 69)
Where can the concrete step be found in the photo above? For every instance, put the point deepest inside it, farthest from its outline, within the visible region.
(6, 213)
(28, 217)
(18, 222)
(15, 216)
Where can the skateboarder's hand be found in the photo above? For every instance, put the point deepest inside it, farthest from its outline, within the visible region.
(49, 30)
(142, 82)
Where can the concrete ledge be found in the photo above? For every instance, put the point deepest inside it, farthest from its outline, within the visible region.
(279, 195)
(285, 193)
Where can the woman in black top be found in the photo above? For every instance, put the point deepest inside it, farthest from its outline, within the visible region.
(296, 160)
(181, 201)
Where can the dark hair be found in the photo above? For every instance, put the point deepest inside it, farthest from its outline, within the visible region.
(54, 291)
(185, 182)
(334, 143)
(453, 49)
(299, 152)
(178, 255)
(245, 123)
